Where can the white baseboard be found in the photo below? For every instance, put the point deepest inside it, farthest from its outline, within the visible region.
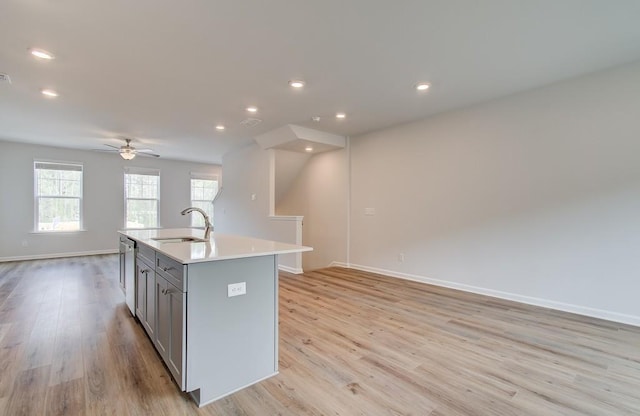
(290, 269)
(566, 307)
(57, 255)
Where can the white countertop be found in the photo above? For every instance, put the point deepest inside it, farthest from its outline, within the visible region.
(219, 246)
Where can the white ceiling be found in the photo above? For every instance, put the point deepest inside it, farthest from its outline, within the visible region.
(167, 71)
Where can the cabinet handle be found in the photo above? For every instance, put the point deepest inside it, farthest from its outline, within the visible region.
(165, 291)
(166, 269)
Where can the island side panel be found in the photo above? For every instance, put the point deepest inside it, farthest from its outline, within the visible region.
(231, 341)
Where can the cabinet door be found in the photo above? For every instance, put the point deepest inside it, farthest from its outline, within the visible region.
(150, 303)
(141, 285)
(163, 331)
(175, 359)
(170, 330)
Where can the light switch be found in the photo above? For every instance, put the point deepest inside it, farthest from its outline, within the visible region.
(236, 289)
(369, 211)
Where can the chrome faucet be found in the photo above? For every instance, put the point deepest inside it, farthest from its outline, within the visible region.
(207, 224)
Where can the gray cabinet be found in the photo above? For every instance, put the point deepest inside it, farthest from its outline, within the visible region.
(178, 336)
(163, 334)
(145, 294)
(150, 301)
(170, 331)
(232, 341)
(141, 282)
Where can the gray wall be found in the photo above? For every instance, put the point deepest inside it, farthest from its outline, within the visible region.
(103, 199)
(288, 166)
(248, 172)
(320, 194)
(534, 197)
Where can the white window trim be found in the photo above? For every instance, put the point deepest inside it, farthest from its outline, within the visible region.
(205, 176)
(133, 170)
(36, 197)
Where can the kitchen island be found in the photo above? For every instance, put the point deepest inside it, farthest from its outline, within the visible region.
(209, 307)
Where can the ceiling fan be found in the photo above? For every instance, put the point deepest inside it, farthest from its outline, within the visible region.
(128, 152)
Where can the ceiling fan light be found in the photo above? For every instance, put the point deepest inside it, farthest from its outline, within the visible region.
(127, 154)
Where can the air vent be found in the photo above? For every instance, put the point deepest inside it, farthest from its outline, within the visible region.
(4, 78)
(250, 122)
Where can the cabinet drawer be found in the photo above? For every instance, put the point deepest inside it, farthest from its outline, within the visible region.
(170, 270)
(147, 253)
(144, 263)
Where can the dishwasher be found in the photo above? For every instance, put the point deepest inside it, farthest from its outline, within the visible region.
(128, 272)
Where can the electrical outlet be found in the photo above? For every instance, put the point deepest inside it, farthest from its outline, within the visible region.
(253, 197)
(401, 257)
(236, 289)
(369, 211)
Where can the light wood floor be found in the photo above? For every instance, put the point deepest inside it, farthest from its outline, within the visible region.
(351, 343)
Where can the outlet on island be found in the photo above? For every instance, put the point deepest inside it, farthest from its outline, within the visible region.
(236, 289)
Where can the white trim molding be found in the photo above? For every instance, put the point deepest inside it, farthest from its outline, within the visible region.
(288, 269)
(545, 303)
(58, 255)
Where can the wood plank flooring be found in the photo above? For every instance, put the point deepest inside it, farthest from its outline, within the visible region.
(351, 343)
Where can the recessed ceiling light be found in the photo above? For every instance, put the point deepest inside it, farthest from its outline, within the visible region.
(41, 53)
(49, 93)
(308, 149)
(219, 127)
(423, 86)
(341, 115)
(296, 83)
(252, 109)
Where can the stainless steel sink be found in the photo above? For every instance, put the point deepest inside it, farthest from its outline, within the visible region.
(179, 240)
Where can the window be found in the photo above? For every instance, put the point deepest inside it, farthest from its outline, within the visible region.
(142, 198)
(203, 190)
(58, 196)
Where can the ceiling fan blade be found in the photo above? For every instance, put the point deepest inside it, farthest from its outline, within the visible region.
(115, 147)
(147, 154)
(144, 150)
(106, 150)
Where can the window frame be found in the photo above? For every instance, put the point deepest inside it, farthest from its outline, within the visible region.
(146, 172)
(76, 167)
(204, 177)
